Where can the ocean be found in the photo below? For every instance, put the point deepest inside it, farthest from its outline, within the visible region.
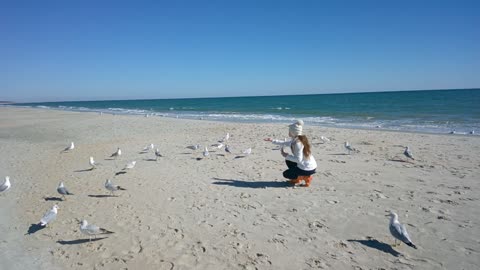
(431, 111)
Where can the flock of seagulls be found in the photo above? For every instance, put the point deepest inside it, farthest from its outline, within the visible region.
(397, 230)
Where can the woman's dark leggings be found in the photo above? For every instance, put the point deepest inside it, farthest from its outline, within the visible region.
(293, 171)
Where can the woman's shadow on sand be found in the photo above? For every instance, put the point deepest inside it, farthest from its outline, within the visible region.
(251, 184)
(374, 243)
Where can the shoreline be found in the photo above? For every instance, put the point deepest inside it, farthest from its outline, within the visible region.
(223, 212)
(279, 122)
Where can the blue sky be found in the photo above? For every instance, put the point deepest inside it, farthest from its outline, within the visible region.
(61, 50)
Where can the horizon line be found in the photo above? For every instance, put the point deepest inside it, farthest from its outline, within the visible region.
(6, 102)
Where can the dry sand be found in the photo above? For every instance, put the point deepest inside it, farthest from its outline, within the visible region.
(223, 212)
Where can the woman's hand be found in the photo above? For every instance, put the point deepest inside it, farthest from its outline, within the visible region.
(268, 139)
(284, 154)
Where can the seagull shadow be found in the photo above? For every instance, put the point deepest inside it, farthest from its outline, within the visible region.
(251, 184)
(101, 196)
(150, 159)
(79, 241)
(339, 154)
(239, 157)
(374, 243)
(53, 199)
(109, 159)
(120, 172)
(85, 170)
(34, 228)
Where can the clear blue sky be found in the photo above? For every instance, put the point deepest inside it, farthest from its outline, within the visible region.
(81, 50)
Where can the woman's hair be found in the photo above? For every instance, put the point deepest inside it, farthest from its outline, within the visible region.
(306, 145)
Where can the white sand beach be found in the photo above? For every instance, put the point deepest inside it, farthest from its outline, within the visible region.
(227, 211)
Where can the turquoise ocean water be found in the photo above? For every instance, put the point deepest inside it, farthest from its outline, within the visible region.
(435, 111)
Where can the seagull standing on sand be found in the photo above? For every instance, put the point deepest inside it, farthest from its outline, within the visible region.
(205, 152)
(90, 229)
(399, 231)
(194, 147)
(227, 149)
(130, 165)
(350, 148)
(247, 151)
(63, 191)
(92, 163)
(218, 145)
(5, 185)
(49, 216)
(148, 148)
(407, 153)
(117, 153)
(225, 139)
(69, 148)
(324, 139)
(112, 187)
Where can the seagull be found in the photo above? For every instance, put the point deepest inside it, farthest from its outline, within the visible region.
(247, 151)
(205, 152)
(93, 163)
(130, 165)
(157, 154)
(350, 148)
(227, 149)
(111, 187)
(6, 184)
(49, 216)
(148, 148)
(472, 132)
(117, 153)
(71, 147)
(399, 231)
(225, 139)
(324, 139)
(218, 145)
(194, 147)
(90, 229)
(63, 190)
(407, 153)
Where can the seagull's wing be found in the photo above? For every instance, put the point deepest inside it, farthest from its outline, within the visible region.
(49, 216)
(4, 186)
(405, 236)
